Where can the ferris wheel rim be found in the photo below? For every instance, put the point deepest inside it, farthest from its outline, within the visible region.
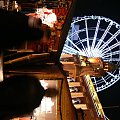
(110, 54)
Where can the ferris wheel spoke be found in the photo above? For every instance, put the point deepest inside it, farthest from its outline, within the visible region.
(78, 43)
(112, 75)
(74, 44)
(111, 47)
(74, 29)
(68, 51)
(66, 47)
(112, 53)
(96, 32)
(115, 59)
(112, 38)
(103, 80)
(111, 59)
(88, 44)
(103, 42)
(95, 81)
(79, 40)
(104, 35)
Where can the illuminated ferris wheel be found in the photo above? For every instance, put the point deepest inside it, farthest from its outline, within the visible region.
(96, 36)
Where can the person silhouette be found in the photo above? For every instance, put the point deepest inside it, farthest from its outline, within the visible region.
(20, 95)
(17, 27)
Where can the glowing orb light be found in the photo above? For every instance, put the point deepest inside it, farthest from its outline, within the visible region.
(47, 16)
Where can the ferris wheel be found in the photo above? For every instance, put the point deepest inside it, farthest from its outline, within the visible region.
(96, 36)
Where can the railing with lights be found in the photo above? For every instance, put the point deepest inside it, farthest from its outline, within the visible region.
(93, 94)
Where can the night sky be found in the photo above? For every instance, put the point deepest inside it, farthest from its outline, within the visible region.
(109, 98)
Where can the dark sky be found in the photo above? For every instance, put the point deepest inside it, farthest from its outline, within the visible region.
(107, 8)
(109, 98)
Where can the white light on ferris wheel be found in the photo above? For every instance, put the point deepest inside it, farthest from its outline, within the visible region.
(47, 16)
(96, 36)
